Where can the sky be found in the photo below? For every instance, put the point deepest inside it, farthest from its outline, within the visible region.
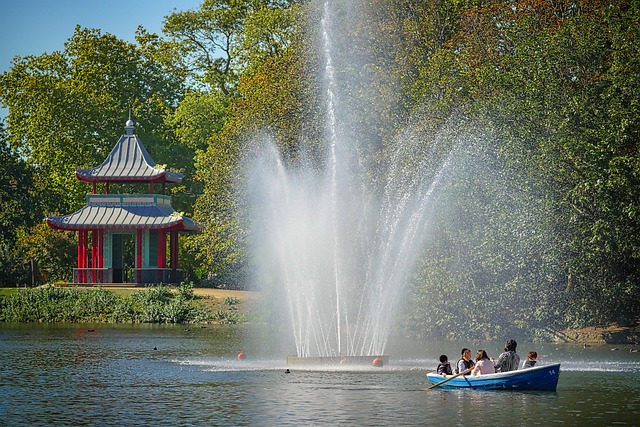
(34, 27)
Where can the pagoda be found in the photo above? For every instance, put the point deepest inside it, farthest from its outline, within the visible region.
(108, 220)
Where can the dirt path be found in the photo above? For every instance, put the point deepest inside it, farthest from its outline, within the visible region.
(224, 293)
(208, 292)
(613, 334)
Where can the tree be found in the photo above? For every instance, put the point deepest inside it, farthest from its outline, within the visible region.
(224, 48)
(550, 87)
(214, 44)
(66, 109)
(51, 252)
(18, 211)
(554, 104)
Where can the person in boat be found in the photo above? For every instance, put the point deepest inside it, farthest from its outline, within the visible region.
(509, 360)
(465, 361)
(532, 359)
(484, 365)
(444, 368)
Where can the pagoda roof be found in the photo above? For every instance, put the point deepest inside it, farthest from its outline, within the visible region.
(128, 162)
(125, 212)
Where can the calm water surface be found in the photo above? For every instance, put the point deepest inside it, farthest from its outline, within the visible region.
(96, 375)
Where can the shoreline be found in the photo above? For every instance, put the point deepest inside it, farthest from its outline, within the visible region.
(215, 301)
(612, 334)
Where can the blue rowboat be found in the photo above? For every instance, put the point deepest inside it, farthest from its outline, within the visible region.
(539, 378)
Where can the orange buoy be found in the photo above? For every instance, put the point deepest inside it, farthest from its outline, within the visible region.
(378, 362)
(241, 356)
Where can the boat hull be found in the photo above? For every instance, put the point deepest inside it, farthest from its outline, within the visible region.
(543, 378)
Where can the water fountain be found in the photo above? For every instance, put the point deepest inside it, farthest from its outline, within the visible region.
(340, 248)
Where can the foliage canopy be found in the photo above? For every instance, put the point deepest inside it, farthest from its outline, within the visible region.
(538, 230)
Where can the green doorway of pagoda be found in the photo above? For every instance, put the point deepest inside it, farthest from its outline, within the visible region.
(122, 257)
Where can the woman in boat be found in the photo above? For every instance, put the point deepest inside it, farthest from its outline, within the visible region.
(484, 365)
(509, 360)
(465, 362)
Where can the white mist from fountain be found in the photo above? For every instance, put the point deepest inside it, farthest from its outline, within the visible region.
(338, 250)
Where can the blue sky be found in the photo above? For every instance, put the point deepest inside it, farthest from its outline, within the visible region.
(33, 27)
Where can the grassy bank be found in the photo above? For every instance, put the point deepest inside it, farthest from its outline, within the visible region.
(158, 304)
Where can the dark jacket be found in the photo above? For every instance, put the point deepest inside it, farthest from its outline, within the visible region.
(444, 368)
(463, 365)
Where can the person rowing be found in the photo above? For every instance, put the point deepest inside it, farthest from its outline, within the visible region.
(465, 363)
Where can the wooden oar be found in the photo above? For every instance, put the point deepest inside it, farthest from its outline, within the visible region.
(448, 379)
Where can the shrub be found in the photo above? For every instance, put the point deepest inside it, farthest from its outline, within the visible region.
(231, 301)
(153, 294)
(153, 305)
(185, 290)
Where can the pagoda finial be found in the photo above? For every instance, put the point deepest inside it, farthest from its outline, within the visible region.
(129, 127)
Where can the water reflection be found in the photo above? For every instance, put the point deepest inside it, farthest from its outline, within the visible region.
(67, 376)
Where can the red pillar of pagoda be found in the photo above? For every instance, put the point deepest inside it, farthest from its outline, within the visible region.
(79, 277)
(162, 255)
(85, 256)
(162, 249)
(83, 253)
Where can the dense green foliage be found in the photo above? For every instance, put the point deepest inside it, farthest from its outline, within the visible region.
(536, 228)
(18, 208)
(558, 244)
(152, 305)
(67, 109)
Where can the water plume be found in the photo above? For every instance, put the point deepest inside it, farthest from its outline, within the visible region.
(339, 246)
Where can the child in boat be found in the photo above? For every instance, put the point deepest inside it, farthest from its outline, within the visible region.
(444, 368)
(484, 365)
(532, 359)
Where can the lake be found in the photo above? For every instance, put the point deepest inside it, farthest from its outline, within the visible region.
(151, 375)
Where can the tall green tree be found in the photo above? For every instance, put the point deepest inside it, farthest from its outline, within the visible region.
(557, 108)
(218, 47)
(214, 44)
(547, 85)
(68, 108)
(18, 211)
(48, 252)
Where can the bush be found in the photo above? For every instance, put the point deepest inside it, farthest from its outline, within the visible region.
(153, 294)
(231, 301)
(185, 290)
(153, 305)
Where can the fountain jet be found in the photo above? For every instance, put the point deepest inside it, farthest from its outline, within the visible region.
(339, 248)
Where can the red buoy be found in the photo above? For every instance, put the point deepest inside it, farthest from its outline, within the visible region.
(241, 356)
(378, 362)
